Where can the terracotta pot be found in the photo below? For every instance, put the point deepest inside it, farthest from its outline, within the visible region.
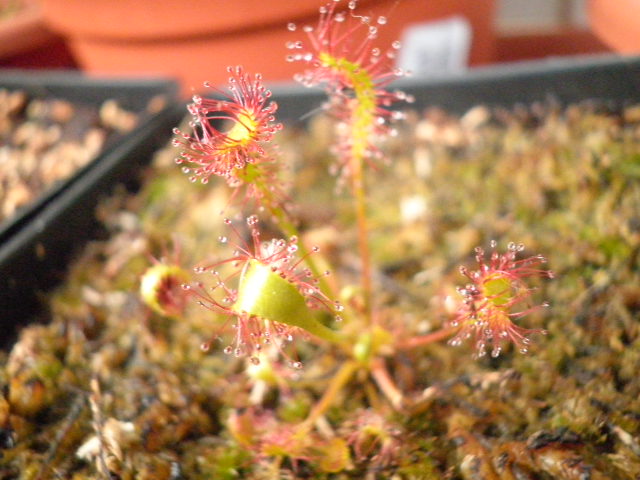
(23, 31)
(617, 23)
(27, 43)
(193, 41)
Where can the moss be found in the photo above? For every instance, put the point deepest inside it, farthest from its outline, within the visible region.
(562, 183)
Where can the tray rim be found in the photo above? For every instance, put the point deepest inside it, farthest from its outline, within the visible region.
(67, 86)
(608, 78)
(58, 225)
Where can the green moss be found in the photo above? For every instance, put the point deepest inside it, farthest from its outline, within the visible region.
(563, 185)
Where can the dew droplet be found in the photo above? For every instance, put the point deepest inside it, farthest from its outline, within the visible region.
(227, 350)
(255, 360)
(291, 27)
(382, 20)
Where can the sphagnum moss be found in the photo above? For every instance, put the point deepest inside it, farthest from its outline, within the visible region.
(506, 410)
(562, 411)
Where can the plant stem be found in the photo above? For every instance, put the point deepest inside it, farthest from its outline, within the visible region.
(328, 398)
(386, 384)
(364, 251)
(422, 340)
(361, 113)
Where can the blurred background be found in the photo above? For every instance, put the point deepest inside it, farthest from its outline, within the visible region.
(193, 41)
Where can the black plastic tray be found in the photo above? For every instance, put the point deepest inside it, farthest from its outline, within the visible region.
(36, 244)
(610, 79)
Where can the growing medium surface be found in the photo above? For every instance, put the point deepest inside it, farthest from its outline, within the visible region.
(111, 386)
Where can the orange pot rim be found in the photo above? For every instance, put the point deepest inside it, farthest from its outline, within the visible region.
(175, 19)
(616, 24)
(23, 31)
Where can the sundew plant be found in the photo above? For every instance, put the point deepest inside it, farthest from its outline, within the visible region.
(266, 292)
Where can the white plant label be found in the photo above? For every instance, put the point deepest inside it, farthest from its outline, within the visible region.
(436, 47)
